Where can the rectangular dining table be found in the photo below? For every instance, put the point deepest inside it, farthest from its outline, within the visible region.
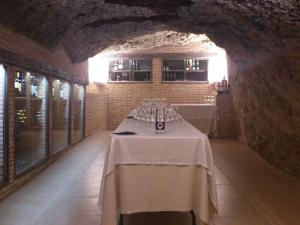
(149, 172)
(202, 116)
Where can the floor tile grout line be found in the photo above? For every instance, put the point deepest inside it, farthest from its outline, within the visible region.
(268, 214)
(38, 220)
(49, 208)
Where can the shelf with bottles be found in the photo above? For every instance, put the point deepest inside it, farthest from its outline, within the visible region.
(185, 71)
(22, 87)
(130, 70)
(223, 88)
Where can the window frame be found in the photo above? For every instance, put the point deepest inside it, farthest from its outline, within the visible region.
(150, 81)
(5, 129)
(183, 70)
(73, 142)
(47, 137)
(69, 123)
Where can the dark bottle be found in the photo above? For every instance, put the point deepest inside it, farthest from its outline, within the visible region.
(33, 86)
(224, 84)
(160, 121)
(18, 85)
(193, 65)
(23, 84)
(187, 66)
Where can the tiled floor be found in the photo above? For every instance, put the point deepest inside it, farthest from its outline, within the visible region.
(250, 191)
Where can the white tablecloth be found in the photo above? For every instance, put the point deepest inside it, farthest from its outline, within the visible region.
(202, 116)
(181, 146)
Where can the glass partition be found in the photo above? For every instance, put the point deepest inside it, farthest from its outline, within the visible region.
(60, 115)
(30, 120)
(2, 125)
(78, 113)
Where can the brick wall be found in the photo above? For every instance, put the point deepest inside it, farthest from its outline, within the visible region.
(96, 109)
(122, 98)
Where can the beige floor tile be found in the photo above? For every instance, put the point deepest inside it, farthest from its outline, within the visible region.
(290, 218)
(66, 193)
(221, 179)
(241, 220)
(88, 177)
(76, 206)
(228, 190)
(73, 220)
(81, 190)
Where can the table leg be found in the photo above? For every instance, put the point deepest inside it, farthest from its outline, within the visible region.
(121, 219)
(193, 218)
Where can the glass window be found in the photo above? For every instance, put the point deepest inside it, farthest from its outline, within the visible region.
(130, 70)
(185, 70)
(78, 113)
(30, 120)
(2, 124)
(60, 115)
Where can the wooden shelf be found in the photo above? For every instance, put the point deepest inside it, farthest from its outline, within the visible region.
(174, 70)
(184, 82)
(128, 82)
(32, 98)
(129, 71)
(195, 71)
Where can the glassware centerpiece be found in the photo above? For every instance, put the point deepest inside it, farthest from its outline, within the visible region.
(156, 111)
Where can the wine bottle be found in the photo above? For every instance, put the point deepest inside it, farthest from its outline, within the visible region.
(160, 121)
(193, 64)
(187, 67)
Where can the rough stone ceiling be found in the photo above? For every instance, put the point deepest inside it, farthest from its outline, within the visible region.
(164, 42)
(241, 27)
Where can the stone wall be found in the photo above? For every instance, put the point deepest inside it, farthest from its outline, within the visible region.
(227, 124)
(266, 101)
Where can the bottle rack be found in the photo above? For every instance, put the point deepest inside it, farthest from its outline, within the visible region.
(28, 104)
(185, 71)
(130, 70)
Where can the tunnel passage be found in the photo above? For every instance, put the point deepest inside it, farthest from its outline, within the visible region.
(261, 39)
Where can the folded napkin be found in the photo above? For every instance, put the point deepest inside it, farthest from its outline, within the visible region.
(124, 133)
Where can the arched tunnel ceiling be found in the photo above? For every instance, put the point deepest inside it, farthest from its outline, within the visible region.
(164, 42)
(86, 27)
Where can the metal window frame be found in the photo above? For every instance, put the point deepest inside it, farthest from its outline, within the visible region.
(47, 137)
(162, 81)
(83, 114)
(69, 116)
(5, 130)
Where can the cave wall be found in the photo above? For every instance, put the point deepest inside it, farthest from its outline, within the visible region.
(266, 97)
